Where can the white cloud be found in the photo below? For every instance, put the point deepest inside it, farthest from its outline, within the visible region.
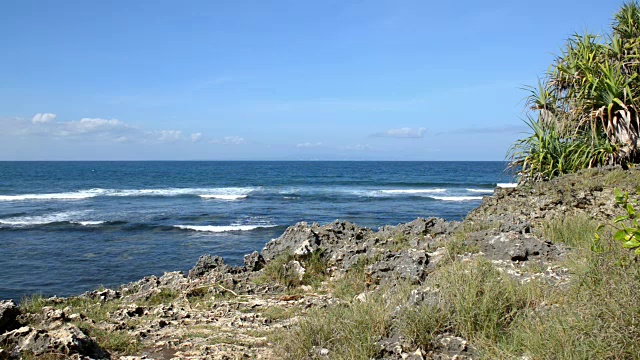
(43, 126)
(229, 140)
(402, 133)
(195, 137)
(358, 147)
(169, 135)
(89, 125)
(308, 145)
(43, 118)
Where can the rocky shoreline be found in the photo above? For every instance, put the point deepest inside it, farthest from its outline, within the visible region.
(221, 312)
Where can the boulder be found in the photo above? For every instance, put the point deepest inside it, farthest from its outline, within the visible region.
(254, 261)
(207, 263)
(67, 339)
(303, 239)
(8, 316)
(515, 246)
(409, 265)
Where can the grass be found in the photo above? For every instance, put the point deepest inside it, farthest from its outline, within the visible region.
(281, 271)
(94, 309)
(348, 331)
(164, 296)
(353, 282)
(118, 342)
(573, 232)
(458, 244)
(275, 313)
(113, 341)
(595, 315)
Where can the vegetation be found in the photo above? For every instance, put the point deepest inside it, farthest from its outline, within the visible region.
(348, 331)
(593, 315)
(585, 110)
(628, 230)
(282, 270)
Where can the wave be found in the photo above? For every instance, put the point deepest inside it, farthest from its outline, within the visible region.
(485, 191)
(69, 216)
(77, 195)
(456, 198)
(224, 193)
(212, 228)
(88, 223)
(413, 191)
(507, 185)
(223, 197)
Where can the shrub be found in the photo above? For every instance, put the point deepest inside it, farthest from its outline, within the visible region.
(587, 106)
(628, 229)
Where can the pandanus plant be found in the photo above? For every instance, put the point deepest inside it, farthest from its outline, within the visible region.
(590, 96)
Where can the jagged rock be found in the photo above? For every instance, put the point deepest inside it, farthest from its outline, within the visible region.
(303, 239)
(67, 340)
(296, 269)
(254, 261)
(8, 316)
(207, 263)
(103, 295)
(421, 227)
(408, 265)
(448, 346)
(515, 246)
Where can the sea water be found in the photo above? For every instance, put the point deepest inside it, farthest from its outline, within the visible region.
(69, 227)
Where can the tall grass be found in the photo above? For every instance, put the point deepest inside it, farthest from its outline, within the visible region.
(596, 315)
(348, 331)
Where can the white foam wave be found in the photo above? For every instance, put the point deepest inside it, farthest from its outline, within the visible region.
(485, 191)
(78, 195)
(88, 223)
(42, 219)
(507, 185)
(224, 197)
(227, 193)
(212, 228)
(413, 191)
(457, 198)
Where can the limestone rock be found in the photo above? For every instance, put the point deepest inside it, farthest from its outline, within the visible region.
(8, 314)
(207, 263)
(254, 261)
(68, 340)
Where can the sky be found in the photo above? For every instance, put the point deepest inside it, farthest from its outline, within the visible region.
(276, 80)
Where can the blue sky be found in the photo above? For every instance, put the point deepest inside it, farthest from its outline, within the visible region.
(275, 80)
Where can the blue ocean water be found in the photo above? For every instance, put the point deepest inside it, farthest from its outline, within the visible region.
(68, 227)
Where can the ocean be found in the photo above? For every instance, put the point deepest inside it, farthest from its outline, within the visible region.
(69, 227)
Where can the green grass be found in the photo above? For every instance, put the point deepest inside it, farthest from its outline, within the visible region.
(573, 231)
(596, 317)
(114, 341)
(353, 282)
(279, 270)
(347, 331)
(92, 308)
(164, 296)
